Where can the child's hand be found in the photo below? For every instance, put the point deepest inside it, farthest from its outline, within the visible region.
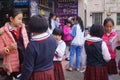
(13, 47)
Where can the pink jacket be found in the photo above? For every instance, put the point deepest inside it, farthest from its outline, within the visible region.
(10, 59)
(107, 38)
(66, 31)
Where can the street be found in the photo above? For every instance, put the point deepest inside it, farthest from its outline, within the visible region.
(74, 75)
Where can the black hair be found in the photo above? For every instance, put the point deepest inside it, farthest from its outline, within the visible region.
(107, 20)
(38, 24)
(58, 31)
(80, 22)
(88, 28)
(14, 12)
(49, 19)
(67, 21)
(97, 30)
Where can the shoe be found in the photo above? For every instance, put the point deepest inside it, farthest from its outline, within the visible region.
(82, 70)
(69, 69)
(67, 59)
(77, 69)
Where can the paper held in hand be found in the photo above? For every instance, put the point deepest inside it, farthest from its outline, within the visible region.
(114, 42)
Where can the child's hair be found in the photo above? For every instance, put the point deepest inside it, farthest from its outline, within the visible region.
(67, 21)
(107, 20)
(49, 19)
(80, 22)
(97, 30)
(38, 24)
(88, 28)
(58, 31)
(14, 12)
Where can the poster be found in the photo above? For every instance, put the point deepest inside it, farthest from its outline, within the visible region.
(33, 8)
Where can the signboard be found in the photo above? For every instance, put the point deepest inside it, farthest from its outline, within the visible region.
(33, 8)
(20, 2)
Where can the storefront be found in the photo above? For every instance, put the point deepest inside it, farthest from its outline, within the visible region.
(5, 6)
(66, 8)
(43, 7)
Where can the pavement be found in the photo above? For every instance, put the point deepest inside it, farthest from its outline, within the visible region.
(75, 75)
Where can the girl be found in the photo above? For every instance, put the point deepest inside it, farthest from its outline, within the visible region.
(52, 22)
(58, 70)
(13, 40)
(57, 22)
(95, 55)
(38, 61)
(67, 38)
(109, 34)
(77, 33)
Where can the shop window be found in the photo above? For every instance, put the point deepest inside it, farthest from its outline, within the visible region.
(118, 18)
(97, 18)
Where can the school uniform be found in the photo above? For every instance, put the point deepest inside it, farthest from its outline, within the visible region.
(18, 37)
(96, 57)
(58, 70)
(112, 66)
(38, 61)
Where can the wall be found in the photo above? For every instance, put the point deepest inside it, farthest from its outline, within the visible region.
(81, 10)
(104, 6)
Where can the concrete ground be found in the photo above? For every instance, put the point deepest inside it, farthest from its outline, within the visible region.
(74, 75)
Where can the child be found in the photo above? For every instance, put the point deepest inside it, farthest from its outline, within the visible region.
(77, 33)
(71, 19)
(67, 38)
(13, 41)
(58, 70)
(52, 22)
(96, 55)
(109, 34)
(57, 22)
(87, 32)
(38, 61)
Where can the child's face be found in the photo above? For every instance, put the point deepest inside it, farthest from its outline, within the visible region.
(54, 17)
(57, 37)
(72, 21)
(17, 20)
(87, 32)
(75, 21)
(69, 24)
(57, 19)
(108, 27)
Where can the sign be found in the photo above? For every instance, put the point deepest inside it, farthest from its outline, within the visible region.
(20, 2)
(33, 8)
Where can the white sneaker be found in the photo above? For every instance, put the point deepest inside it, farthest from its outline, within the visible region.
(82, 70)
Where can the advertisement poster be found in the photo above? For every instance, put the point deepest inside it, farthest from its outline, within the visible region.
(33, 8)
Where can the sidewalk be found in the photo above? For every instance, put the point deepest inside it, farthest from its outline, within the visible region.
(74, 75)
